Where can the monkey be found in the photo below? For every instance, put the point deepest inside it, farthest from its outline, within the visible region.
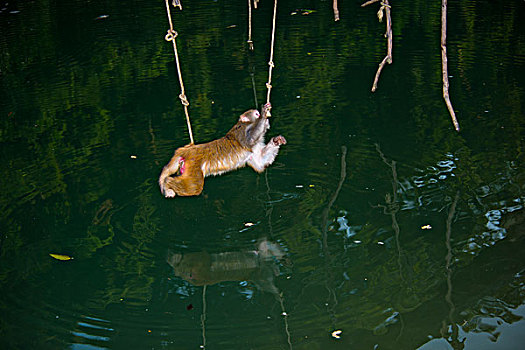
(243, 144)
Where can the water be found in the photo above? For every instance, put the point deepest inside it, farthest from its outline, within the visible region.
(377, 220)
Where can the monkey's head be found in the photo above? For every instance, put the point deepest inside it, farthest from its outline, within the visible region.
(253, 116)
(250, 116)
(254, 125)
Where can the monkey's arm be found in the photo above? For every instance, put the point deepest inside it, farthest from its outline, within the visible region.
(256, 131)
(264, 155)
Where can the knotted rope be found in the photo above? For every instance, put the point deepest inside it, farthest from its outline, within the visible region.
(171, 36)
(270, 62)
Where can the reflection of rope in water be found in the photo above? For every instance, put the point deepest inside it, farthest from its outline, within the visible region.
(448, 297)
(392, 208)
(203, 318)
(285, 315)
(269, 208)
(328, 259)
(269, 212)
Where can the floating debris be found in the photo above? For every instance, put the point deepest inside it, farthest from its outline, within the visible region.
(249, 224)
(337, 334)
(303, 12)
(133, 157)
(426, 227)
(381, 243)
(101, 17)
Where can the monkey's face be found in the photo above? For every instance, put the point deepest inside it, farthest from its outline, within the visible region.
(255, 116)
(250, 116)
(254, 125)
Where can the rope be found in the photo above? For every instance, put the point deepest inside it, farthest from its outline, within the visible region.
(270, 63)
(250, 42)
(252, 75)
(171, 36)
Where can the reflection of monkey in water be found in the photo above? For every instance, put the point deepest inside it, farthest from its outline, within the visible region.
(258, 266)
(243, 144)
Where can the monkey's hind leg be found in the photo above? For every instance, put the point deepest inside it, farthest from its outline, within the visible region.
(169, 169)
(190, 183)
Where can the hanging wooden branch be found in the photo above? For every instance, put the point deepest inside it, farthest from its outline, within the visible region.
(385, 6)
(177, 3)
(444, 63)
(369, 2)
(336, 11)
(250, 42)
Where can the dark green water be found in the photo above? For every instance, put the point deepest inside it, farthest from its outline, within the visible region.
(90, 114)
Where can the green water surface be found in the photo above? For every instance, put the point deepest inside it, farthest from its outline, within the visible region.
(377, 221)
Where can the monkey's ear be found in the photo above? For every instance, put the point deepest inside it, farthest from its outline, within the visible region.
(244, 118)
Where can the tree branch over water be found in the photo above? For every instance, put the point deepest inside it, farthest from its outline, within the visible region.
(336, 11)
(385, 6)
(444, 63)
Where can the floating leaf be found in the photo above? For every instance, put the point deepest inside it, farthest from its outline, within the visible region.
(426, 227)
(60, 257)
(248, 224)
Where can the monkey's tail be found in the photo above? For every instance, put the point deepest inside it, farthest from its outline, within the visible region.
(169, 169)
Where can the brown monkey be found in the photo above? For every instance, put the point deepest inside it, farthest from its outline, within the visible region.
(243, 144)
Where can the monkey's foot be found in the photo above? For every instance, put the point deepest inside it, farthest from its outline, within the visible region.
(169, 193)
(279, 140)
